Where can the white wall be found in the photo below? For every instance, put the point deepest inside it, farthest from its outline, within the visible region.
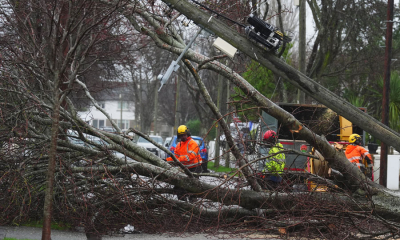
(393, 170)
(112, 108)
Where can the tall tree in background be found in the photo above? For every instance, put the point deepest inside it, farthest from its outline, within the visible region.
(346, 52)
(49, 44)
(394, 99)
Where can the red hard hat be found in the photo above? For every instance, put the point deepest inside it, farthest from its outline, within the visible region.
(269, 134)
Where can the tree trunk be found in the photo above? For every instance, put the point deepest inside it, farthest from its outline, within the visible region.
(48, 202)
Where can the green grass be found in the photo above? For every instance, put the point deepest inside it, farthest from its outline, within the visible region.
(54, 225)
(221, 168)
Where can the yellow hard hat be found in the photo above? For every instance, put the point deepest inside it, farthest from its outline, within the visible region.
(354, 138)
(182, 129)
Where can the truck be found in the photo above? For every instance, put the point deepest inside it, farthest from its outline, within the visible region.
(240, 131)
(319, 119)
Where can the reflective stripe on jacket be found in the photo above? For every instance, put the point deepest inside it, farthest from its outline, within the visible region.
(275, 164)
(187, 153)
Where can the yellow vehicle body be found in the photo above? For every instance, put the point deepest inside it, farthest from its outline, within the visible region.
(318, 167)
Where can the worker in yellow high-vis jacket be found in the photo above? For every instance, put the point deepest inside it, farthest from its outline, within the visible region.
(276, 162)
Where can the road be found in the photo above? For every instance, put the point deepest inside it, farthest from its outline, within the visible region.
(32, 233)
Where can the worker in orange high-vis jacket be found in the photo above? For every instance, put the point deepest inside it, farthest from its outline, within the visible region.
(359, 156)
(187, 150)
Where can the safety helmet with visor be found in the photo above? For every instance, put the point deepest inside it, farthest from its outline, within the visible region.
(355, 139)
(182, 130)
(270, 137)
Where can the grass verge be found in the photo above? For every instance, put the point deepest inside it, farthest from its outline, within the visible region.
(54, 225)
(211, 166)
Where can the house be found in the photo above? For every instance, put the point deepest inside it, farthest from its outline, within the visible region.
(111, 96)
(119, 105)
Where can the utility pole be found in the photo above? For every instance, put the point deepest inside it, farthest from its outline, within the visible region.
(120, 99)
(217, 147)
(386, 90)
(301, 97)
(177, 115)
(155, 107)
(141, 102)
(227, 156)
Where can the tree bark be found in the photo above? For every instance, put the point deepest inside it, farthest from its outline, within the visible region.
(48, 202)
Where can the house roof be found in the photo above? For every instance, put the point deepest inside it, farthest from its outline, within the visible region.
(113, 91)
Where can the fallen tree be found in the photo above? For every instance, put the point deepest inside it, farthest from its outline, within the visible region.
(101, 191)
(337, 160)
(276, 65)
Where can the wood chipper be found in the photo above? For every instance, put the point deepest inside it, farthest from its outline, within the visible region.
(322, 121)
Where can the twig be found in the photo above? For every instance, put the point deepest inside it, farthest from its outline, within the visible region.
(97, 105)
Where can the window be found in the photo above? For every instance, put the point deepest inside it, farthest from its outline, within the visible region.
(124, 105)
(97, 123)
(157, 139)
(199, 142)
(101, 123)
(125, 124)
(154, 138)
(142, 140)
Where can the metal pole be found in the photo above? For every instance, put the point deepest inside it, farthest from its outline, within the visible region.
(386, 90)
(177, 105)
(174, 65)
(141, 102)
(217, 147)
(120, 98)
(155, 108)
(227, 158)
(302, 47)
(189, 44)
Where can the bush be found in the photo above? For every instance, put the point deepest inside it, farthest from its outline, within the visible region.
(194, 127)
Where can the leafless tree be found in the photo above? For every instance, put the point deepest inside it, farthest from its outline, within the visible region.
(49, 45)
